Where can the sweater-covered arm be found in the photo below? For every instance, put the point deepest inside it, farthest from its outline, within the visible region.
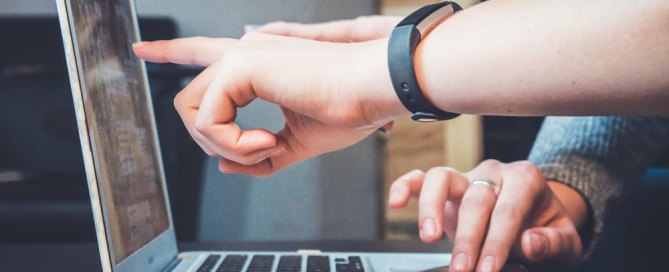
(600, 157)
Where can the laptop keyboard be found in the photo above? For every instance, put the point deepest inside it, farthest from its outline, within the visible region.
(231, 263)
(287, 263)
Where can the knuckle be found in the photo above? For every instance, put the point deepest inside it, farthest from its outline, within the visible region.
(490, 163)
(527, 168)
(443, 172)
(532, 176)
(202, 125)
(179, 101)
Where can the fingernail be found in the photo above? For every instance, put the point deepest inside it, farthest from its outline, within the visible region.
(488, 264)
(539, 244)
(429, 228)
(460, 263)
(138, 44)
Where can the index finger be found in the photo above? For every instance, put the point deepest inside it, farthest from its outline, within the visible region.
(190, 51)
(441, 184)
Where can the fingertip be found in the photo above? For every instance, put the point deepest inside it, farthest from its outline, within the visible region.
(396, 204)
(415, 173)
(260, 170)
(397, 199)
(137, 48)
(560, 244)
(143, 45)
(252, 140)
(534, 245)
(147, 51)
(430, 239)
(226, 166)
(430, 230)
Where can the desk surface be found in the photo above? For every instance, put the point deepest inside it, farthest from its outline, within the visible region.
(84, 257)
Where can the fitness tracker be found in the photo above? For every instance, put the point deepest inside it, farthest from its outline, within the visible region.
(401, 48)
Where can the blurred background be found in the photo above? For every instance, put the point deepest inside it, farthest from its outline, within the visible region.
(338, 196)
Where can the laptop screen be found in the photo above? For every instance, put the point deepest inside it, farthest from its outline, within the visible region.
(120, 123)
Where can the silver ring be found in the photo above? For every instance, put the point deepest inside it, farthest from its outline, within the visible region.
(487, 182)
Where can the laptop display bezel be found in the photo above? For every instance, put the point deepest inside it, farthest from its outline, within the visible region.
(161, 250)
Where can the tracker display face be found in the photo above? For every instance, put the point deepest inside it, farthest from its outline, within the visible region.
(120, 124)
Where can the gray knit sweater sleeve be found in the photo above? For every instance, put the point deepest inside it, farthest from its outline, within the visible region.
(600, 157)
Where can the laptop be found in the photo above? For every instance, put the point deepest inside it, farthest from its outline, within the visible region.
(124, 168)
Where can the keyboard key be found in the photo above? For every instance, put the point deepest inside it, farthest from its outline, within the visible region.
(354, 264)
(209, 263)
(232, 263)
(289, 263)
(261, 263)
(318, 264)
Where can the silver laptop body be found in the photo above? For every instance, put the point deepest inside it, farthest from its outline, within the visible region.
(123, 163)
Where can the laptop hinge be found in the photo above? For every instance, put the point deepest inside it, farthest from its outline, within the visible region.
(172, 264)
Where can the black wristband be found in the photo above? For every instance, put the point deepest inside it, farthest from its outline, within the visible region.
(401, 48)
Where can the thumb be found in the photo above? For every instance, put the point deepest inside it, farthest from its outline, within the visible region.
(551, 244)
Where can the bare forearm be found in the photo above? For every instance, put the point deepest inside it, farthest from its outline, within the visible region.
(548, 57)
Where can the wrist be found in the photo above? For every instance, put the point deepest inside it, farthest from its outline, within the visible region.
(573, 202)
(377, 94)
